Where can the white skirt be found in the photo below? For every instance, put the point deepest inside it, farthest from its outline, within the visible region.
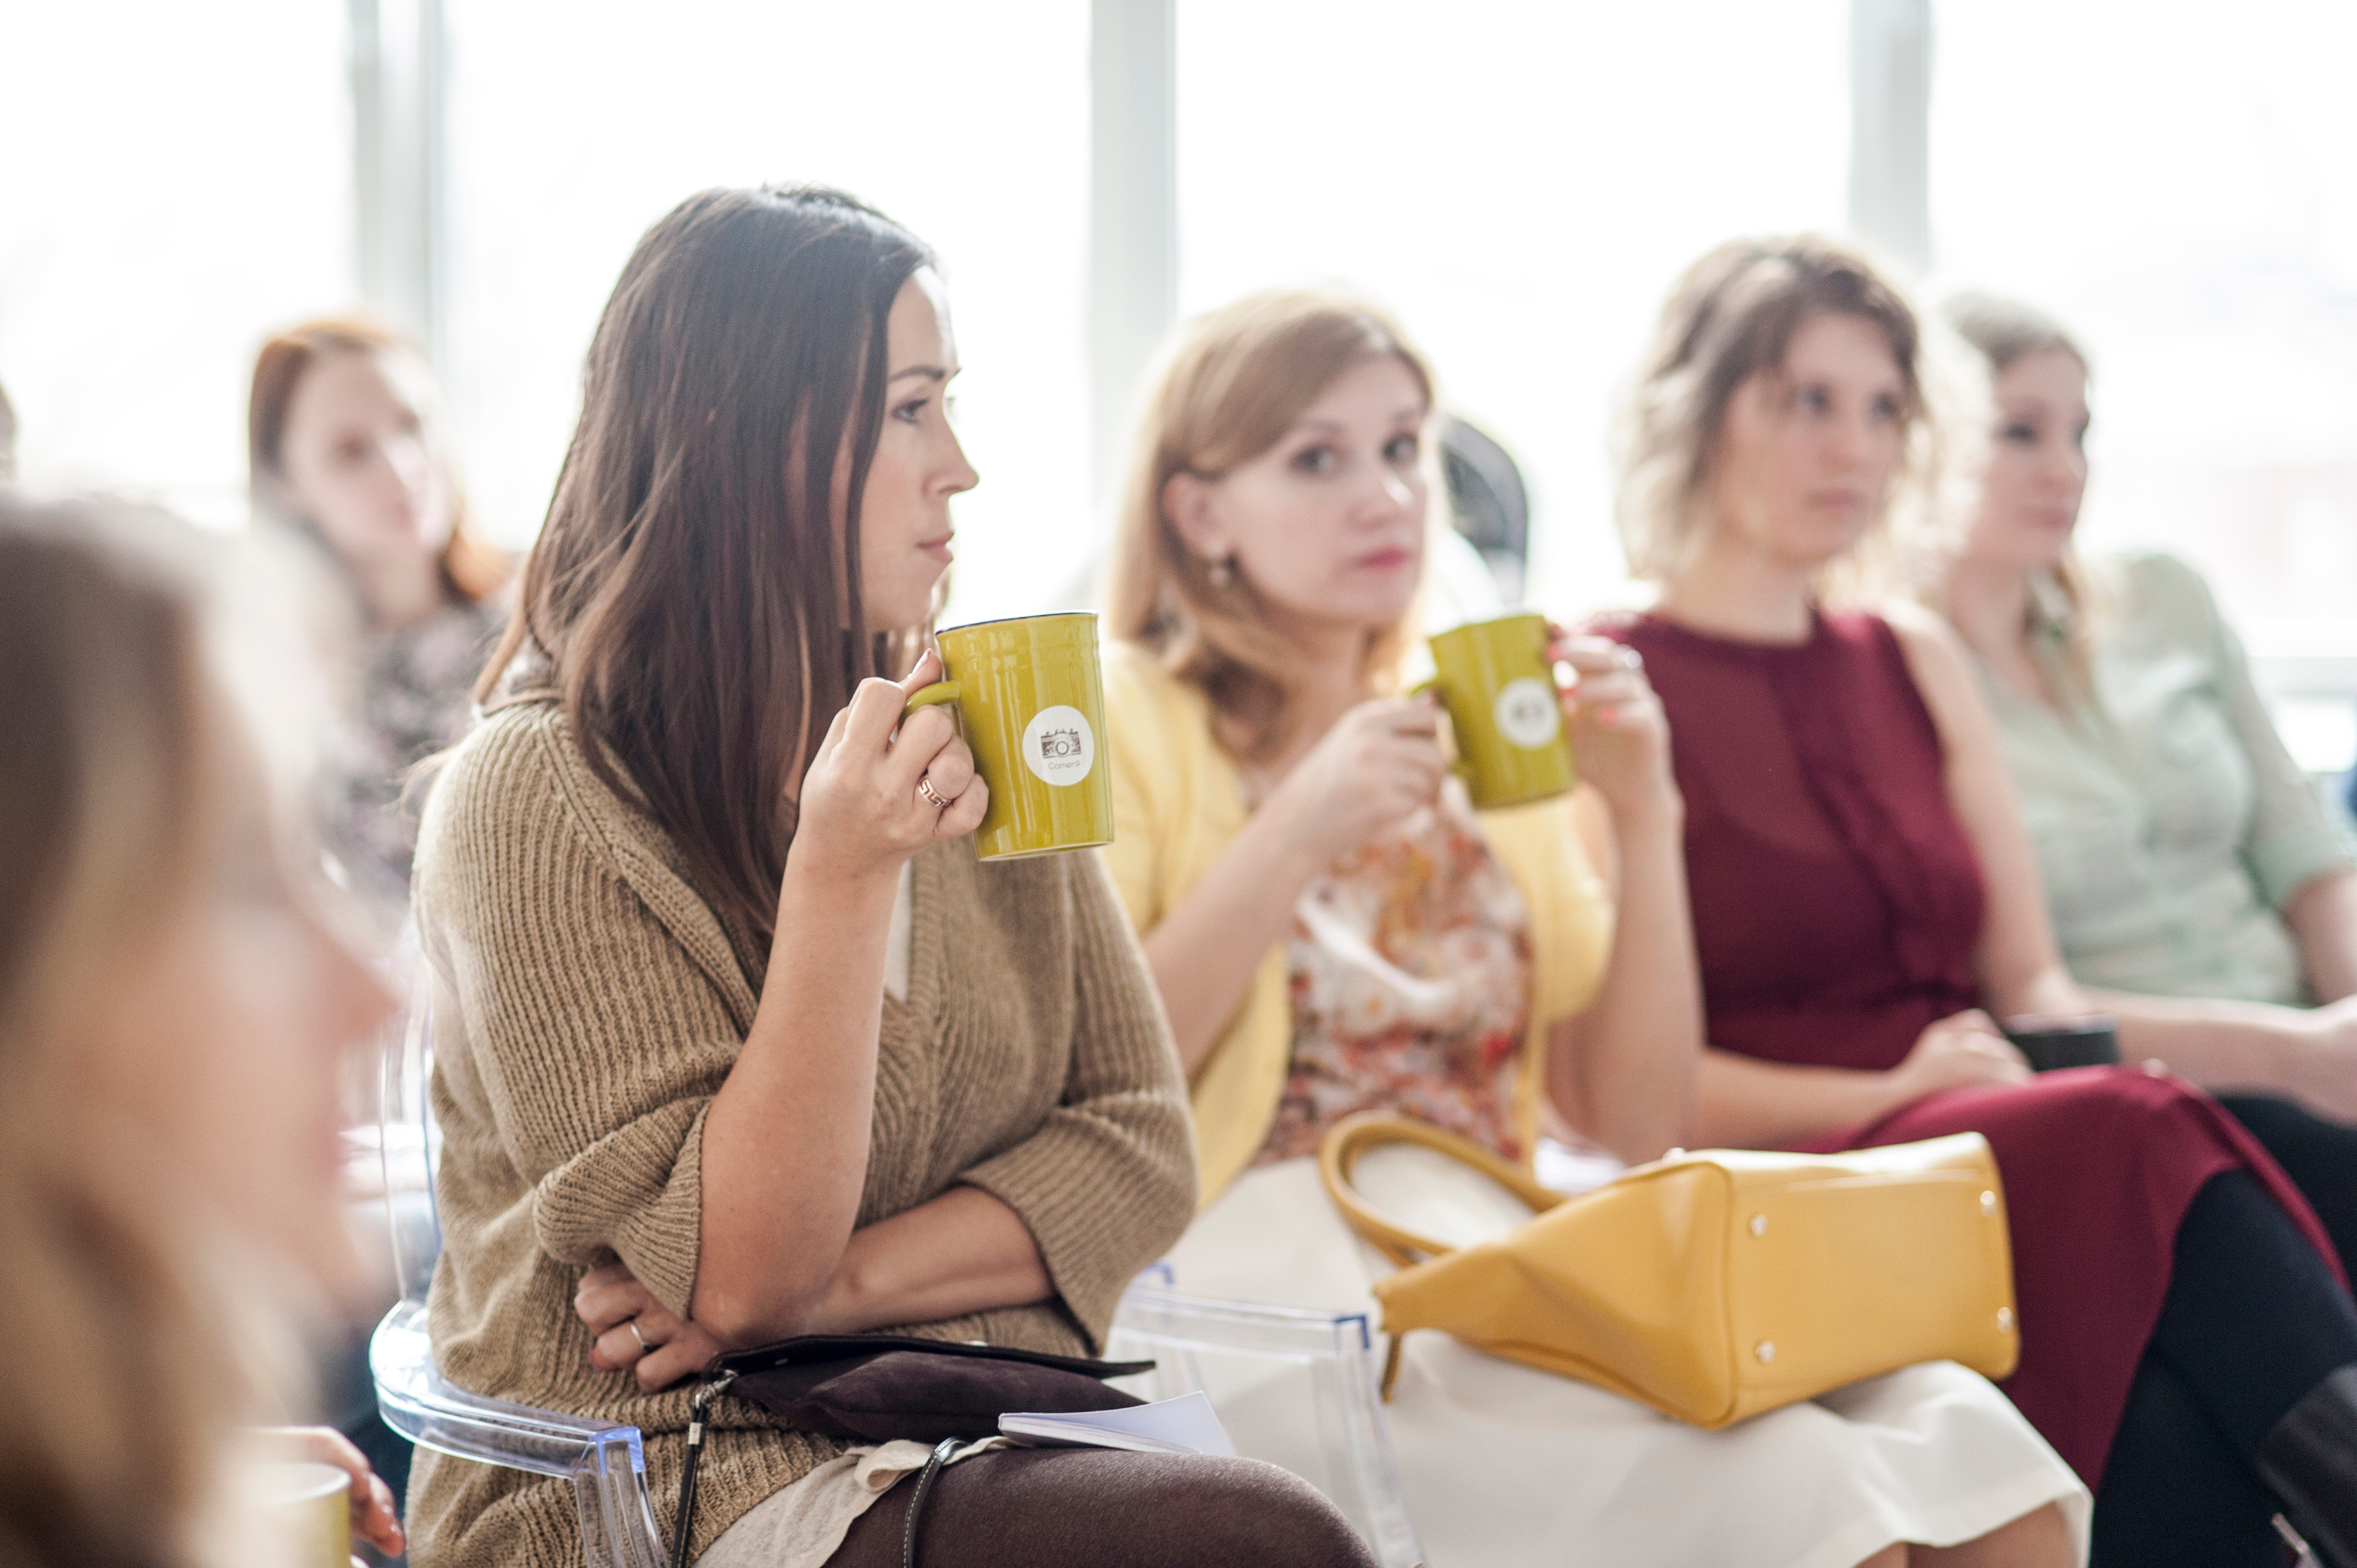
(1505, 1464)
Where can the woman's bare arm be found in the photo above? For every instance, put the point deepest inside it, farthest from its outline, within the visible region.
(1622, 1073)
(2322, 915)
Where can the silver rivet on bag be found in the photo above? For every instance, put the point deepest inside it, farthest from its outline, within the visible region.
(1766, 1351)
(1759, 1225)
(1988, 1206)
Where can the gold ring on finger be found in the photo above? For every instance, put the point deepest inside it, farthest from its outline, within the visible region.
(925, 788)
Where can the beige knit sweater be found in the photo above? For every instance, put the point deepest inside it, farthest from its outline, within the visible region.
(587, 1003)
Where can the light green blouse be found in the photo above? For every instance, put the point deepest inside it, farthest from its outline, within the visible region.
(2170, 825)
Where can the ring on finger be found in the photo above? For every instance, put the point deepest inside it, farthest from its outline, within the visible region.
(644, 1348)
(933, 796)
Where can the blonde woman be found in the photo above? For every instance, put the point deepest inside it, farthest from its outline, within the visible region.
(174, 1018)
(1865, 899)
(2189, 869)
(1333, 929)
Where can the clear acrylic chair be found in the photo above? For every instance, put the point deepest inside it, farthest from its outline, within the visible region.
(603, 1459)
(1294, 1387)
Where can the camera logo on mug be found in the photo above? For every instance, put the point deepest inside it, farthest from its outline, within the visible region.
(1528, 713)
(1059, 748)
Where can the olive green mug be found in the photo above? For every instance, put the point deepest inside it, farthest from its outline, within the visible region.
(1030, 698)
(1503, 709)
(308, 1508)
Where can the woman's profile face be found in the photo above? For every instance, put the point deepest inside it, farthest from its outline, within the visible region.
(904, 512)
(1327, 526)
(2037, 469)
(221, 1035)
(360, 458)
(1807, 454)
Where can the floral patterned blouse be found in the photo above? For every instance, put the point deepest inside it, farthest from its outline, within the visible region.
(1410, 964)
(410, 695)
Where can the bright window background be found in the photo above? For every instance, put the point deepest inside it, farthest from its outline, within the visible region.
(1521, 182)
(2175, 182)
(177, 183)
(969, 123)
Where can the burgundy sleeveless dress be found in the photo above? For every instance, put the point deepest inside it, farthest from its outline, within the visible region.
(1837, 904)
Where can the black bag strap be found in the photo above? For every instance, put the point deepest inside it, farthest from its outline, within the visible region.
(682, 1526)
(940, 1457)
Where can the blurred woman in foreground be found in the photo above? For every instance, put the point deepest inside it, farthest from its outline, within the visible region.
(172, 1018)
(349, 456)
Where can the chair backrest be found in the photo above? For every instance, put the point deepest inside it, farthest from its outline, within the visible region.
(407, 1138)
(1490, 504)
(1296, 1388)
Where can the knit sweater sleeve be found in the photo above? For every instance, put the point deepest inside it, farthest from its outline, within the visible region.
(1108, 1182)
(594, 1041)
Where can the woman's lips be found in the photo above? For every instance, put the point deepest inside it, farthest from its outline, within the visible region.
(939, 549)
(1385, 560)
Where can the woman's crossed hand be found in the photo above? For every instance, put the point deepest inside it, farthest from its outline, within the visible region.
(637, 1334)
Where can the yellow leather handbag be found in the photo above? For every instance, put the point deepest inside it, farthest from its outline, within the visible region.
(1712, 1285)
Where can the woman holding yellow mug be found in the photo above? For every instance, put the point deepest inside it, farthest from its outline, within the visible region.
(737, 1038)
(1334, 929)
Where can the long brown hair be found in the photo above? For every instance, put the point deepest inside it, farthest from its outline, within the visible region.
(120, 1371)
(697, 606)
(1730, 317)
(472, 568)
(1228, 389)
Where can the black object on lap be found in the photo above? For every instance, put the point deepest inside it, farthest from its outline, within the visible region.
(2052, 1044)
(876, 1387)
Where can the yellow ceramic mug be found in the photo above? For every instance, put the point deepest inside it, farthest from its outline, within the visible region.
(1494, 680)
(307, 1510)
(1030, 697)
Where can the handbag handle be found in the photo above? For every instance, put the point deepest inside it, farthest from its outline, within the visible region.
(1338, 1156)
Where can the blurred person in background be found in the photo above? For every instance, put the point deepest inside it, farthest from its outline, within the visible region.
(1335, 929)
(351, 456)
(174, 1018)
(1862, 889)
(2192, 872)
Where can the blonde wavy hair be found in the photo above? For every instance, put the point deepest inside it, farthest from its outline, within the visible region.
(1731, 318)
(129, 1351)
(1227, 389)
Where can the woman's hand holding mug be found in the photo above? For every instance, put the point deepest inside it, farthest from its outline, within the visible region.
(872, 799)
(1381, 761)
(1619, 735)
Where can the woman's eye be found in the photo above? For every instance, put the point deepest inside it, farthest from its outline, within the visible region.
(2020, 435)
(1316, 460)
(911, 412)
(1885, 409)
(1401, 451)
(1811, 400)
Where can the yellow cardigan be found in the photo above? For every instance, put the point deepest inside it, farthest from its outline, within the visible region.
(1178, 801)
